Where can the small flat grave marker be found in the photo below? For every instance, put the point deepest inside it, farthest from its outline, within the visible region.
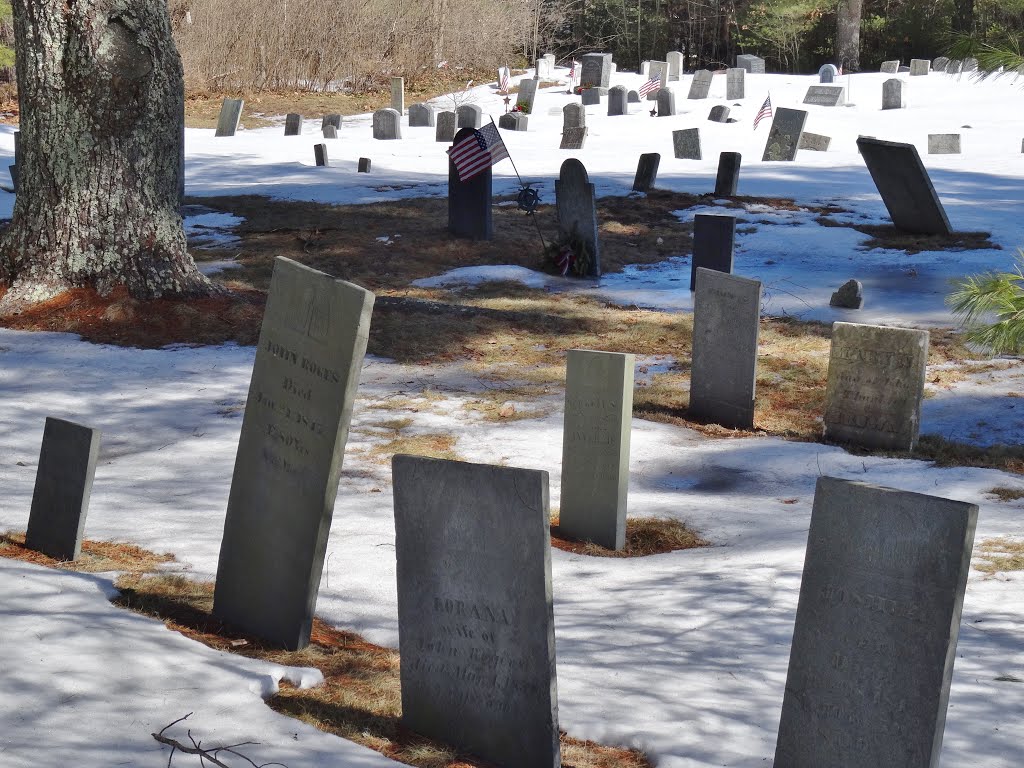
(230, 114)
(632, 97)
(573, 138)
(825, 95)
(713, 238)
(904, 185)
(364, 165)
(814, 142)
(943, 143)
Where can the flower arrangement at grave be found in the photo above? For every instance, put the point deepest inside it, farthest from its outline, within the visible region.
(579, 89)
(521, 106)
(570, 255)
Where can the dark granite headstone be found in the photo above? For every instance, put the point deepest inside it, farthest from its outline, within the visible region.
(646, 172)
(334, 120)
(686, 144)
(446, 127)
(876, 628)
(525, 98)
(633, 97)
(573, 138)
(421, 116)
(890, 67)
(320, 154)
(387, 124)
(230, 114)
(814, 141)
(893, 94)
(596, 70)
(734, 83)
(469, 202)
(700, 86)
(666, 102)
(828, 73)
(825, 95)
(576, 208)
(573, 115)
(849, 296)
(752, 64)
(469, 115)
(296, 422)
(728, 177)
(364, 165)
(476, 627)
(60, 501)
(784, 136)
(590, 96)
(920, 67)
(719, 114)
(943, 143)
(293, 124)
(904, 185)
(713, 238)
(618, 100)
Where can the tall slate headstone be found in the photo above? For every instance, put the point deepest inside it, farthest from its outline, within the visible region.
(334, 120)
(573, 116)
(576, 208)
(734, 83)
(320, 154)
(596, 70)
(920, 67)
(421, 116)
(752, 64)
(525, 98)
(646, 172)
(293, 124)
(230, 114)
(60, 500)
(893, 94)
(943, 143)
(784, 136)
(890, 67)
(666, 102)
(875, 385)
(726, 320)
(674, 59)
(728, 177)
(595, 447)
(469, 202)
(700, 86)
(713, 240)
(469, 115)
(618, 100)
(475, 614)
(446, 126)
(876, 628)
(686, 144)
(296, 422)
(398, 94)
(387, 124)
(904, 185)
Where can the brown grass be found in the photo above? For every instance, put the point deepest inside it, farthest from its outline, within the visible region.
(644, 536)
(1006, 493)
(96, 557)
(1000, 555)
(949, 453)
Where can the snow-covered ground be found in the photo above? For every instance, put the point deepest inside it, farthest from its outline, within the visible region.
(682, 654)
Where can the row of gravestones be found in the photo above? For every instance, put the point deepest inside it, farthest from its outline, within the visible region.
(880, 597)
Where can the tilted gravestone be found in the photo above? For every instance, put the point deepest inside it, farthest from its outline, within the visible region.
(726, 320)
(421, 116)
(364, 165)
(876, 628)
(784, 136)
(752, 64)
(889, 67)
(674, 59)
(320, 154)
(666, 102)
(576, 208)
(939, 64)
(514, 121)
(632, 98)
(734, 83)
(893, 91)
(728, 177)
(526, 97)
(398, 94)
(469, 115)
(686, 144)
(646, 172)
(446, 126)
(573, 116)
(875, 385)
(60, 500)
(230, 114)
(713, 240)
(719, 114)
(591, 96)
(595, 447)
(330, 132)
(475, 615)
(825, 95)
(659, 70)
(293, 124)
(469, 202)
(828, 73)
(814, 141)
(296, 422)
(943, 143)
(387, 124)
(573, 138)
(334, 120)
(920, 67)
(618, 99)
(596, 70)
(904, 185)
(700, 86)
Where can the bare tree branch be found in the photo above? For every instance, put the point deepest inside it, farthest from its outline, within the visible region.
(206, 753)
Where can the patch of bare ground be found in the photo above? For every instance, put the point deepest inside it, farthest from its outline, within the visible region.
(999, 555)
(96, 556)
(889, 237)
(644, 536)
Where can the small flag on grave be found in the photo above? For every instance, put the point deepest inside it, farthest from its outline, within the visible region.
(477, 152)
(503, 80)
(653, 84)
(765, 111)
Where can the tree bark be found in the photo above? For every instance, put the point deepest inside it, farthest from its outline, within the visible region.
(848, 16)
(101, 92)
(963, 16)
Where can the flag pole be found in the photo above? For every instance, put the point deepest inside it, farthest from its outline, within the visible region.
(540, 234)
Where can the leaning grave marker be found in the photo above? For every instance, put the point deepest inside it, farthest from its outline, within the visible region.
(296, 421)
(230, 114)
(475, 617)
(905, 187)
(876, 628)
(784, 135)
(875, 385)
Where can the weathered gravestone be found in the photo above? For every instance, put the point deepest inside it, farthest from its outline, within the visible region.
(334, 120)
(889, 67)
(421, 116)
(330, 132)
(573, 138)
(475, 619)
(700, 86)
(595, 447)
(893, 94)
(292, 124)
(576, 208)
(543, 68)
(939, 64)
(469, 202)
(296, 422)
(364, 165)
(596, 70)
(659, 70)
(970, 65)
(828, 73)
(875, 385)
(469, 115)
(398, 94)
(943, 143)
(719, 114)
(320, 154)
(814, 141)
(752, 64)
(850, 295)
(60, 500)
(726, 319)
(446, 126)
(734, 83)
(713, 238)
(904, 185)
(632, 98)
(953, 66)
(784, 136)
(514, 121)
(686, 144)
(666, 102)
(573, 116)
(230, 114)
(728, 177)
(876, 628)
(825, 95)
(903, 70)
(524, 99)
(646, 172)
(618, 100)
(920, 67)
(387, 124)
(590, 96)
(674, 60)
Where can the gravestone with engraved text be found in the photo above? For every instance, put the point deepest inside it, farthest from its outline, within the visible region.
(659, 70)
(734, 83)
(920, 67)
(893, 94)
(943, 143)
(784, 135)
(469, 115)
(596, 70)
(590, 96)
(700, 86)
(333, 119)
(825, 95)
(890, 67)
(421, 116)
(618, 99)
(686, 144)
(573, 116)
(525, 99)
(573, 138)
(674, 59)
(815, 142)
(828, 73)
(446, 126)
(719, 114)
(752, 64)
(666, 102)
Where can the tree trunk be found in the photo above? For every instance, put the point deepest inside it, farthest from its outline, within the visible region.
(102, 114)
(963, 16)
(848, 15)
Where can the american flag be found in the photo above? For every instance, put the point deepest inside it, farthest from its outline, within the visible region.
(572, 72)
(766, 111)
(477, 152)
(503, 80)
(653, 84)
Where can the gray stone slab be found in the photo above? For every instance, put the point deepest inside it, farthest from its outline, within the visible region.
(903, 183)
(828, 73)
(657, 69)
(674, 59)
(814, 142)
(894, 94)
(514, 121)
(573, 138)
(475, 618)
(666, 102)
(590, 96)
(320, 154)
(890, 67)
(735, 83)
(850, 295)
(576, 209)
(728, 177)
(364, 165)
(596, 70)
(60, 500)
(618, 100)
(953, 66)
(875, 385)
(719, 114)
(920, 67)
(573, 116)
(334, 120)
(421, 116)
(784, 135)
(294, 430)
(686, 144)
(713, 240)
(752, 64)
(633, 97)
(825, 95)
(595, 447)
(293, 124)
(398, 94)
(943, 143)
(876, 628)
(726, 320)
(230, 114)
(469, 202)
(646, 172)
(446, 126)
(469, 115)
(526, 97)
(939, 64)
(903, 70)
(330, 132)
(700, 85)
(387, 124)
(970, 65)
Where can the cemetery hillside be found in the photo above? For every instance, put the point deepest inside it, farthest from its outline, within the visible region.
(654, 404)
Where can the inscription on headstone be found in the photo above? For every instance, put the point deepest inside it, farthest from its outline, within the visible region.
(784, 136)
(293, 124)
(814, 141)
(573, 138)
(700, 85)
(728, 177)
(734, 83)
(713, 238)
(576, 208)
(513, 121)
(596, 70)
(686, 144)
(524, 99)
(825, 95)
(646, 172)
(230, 114)
(904, 185)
